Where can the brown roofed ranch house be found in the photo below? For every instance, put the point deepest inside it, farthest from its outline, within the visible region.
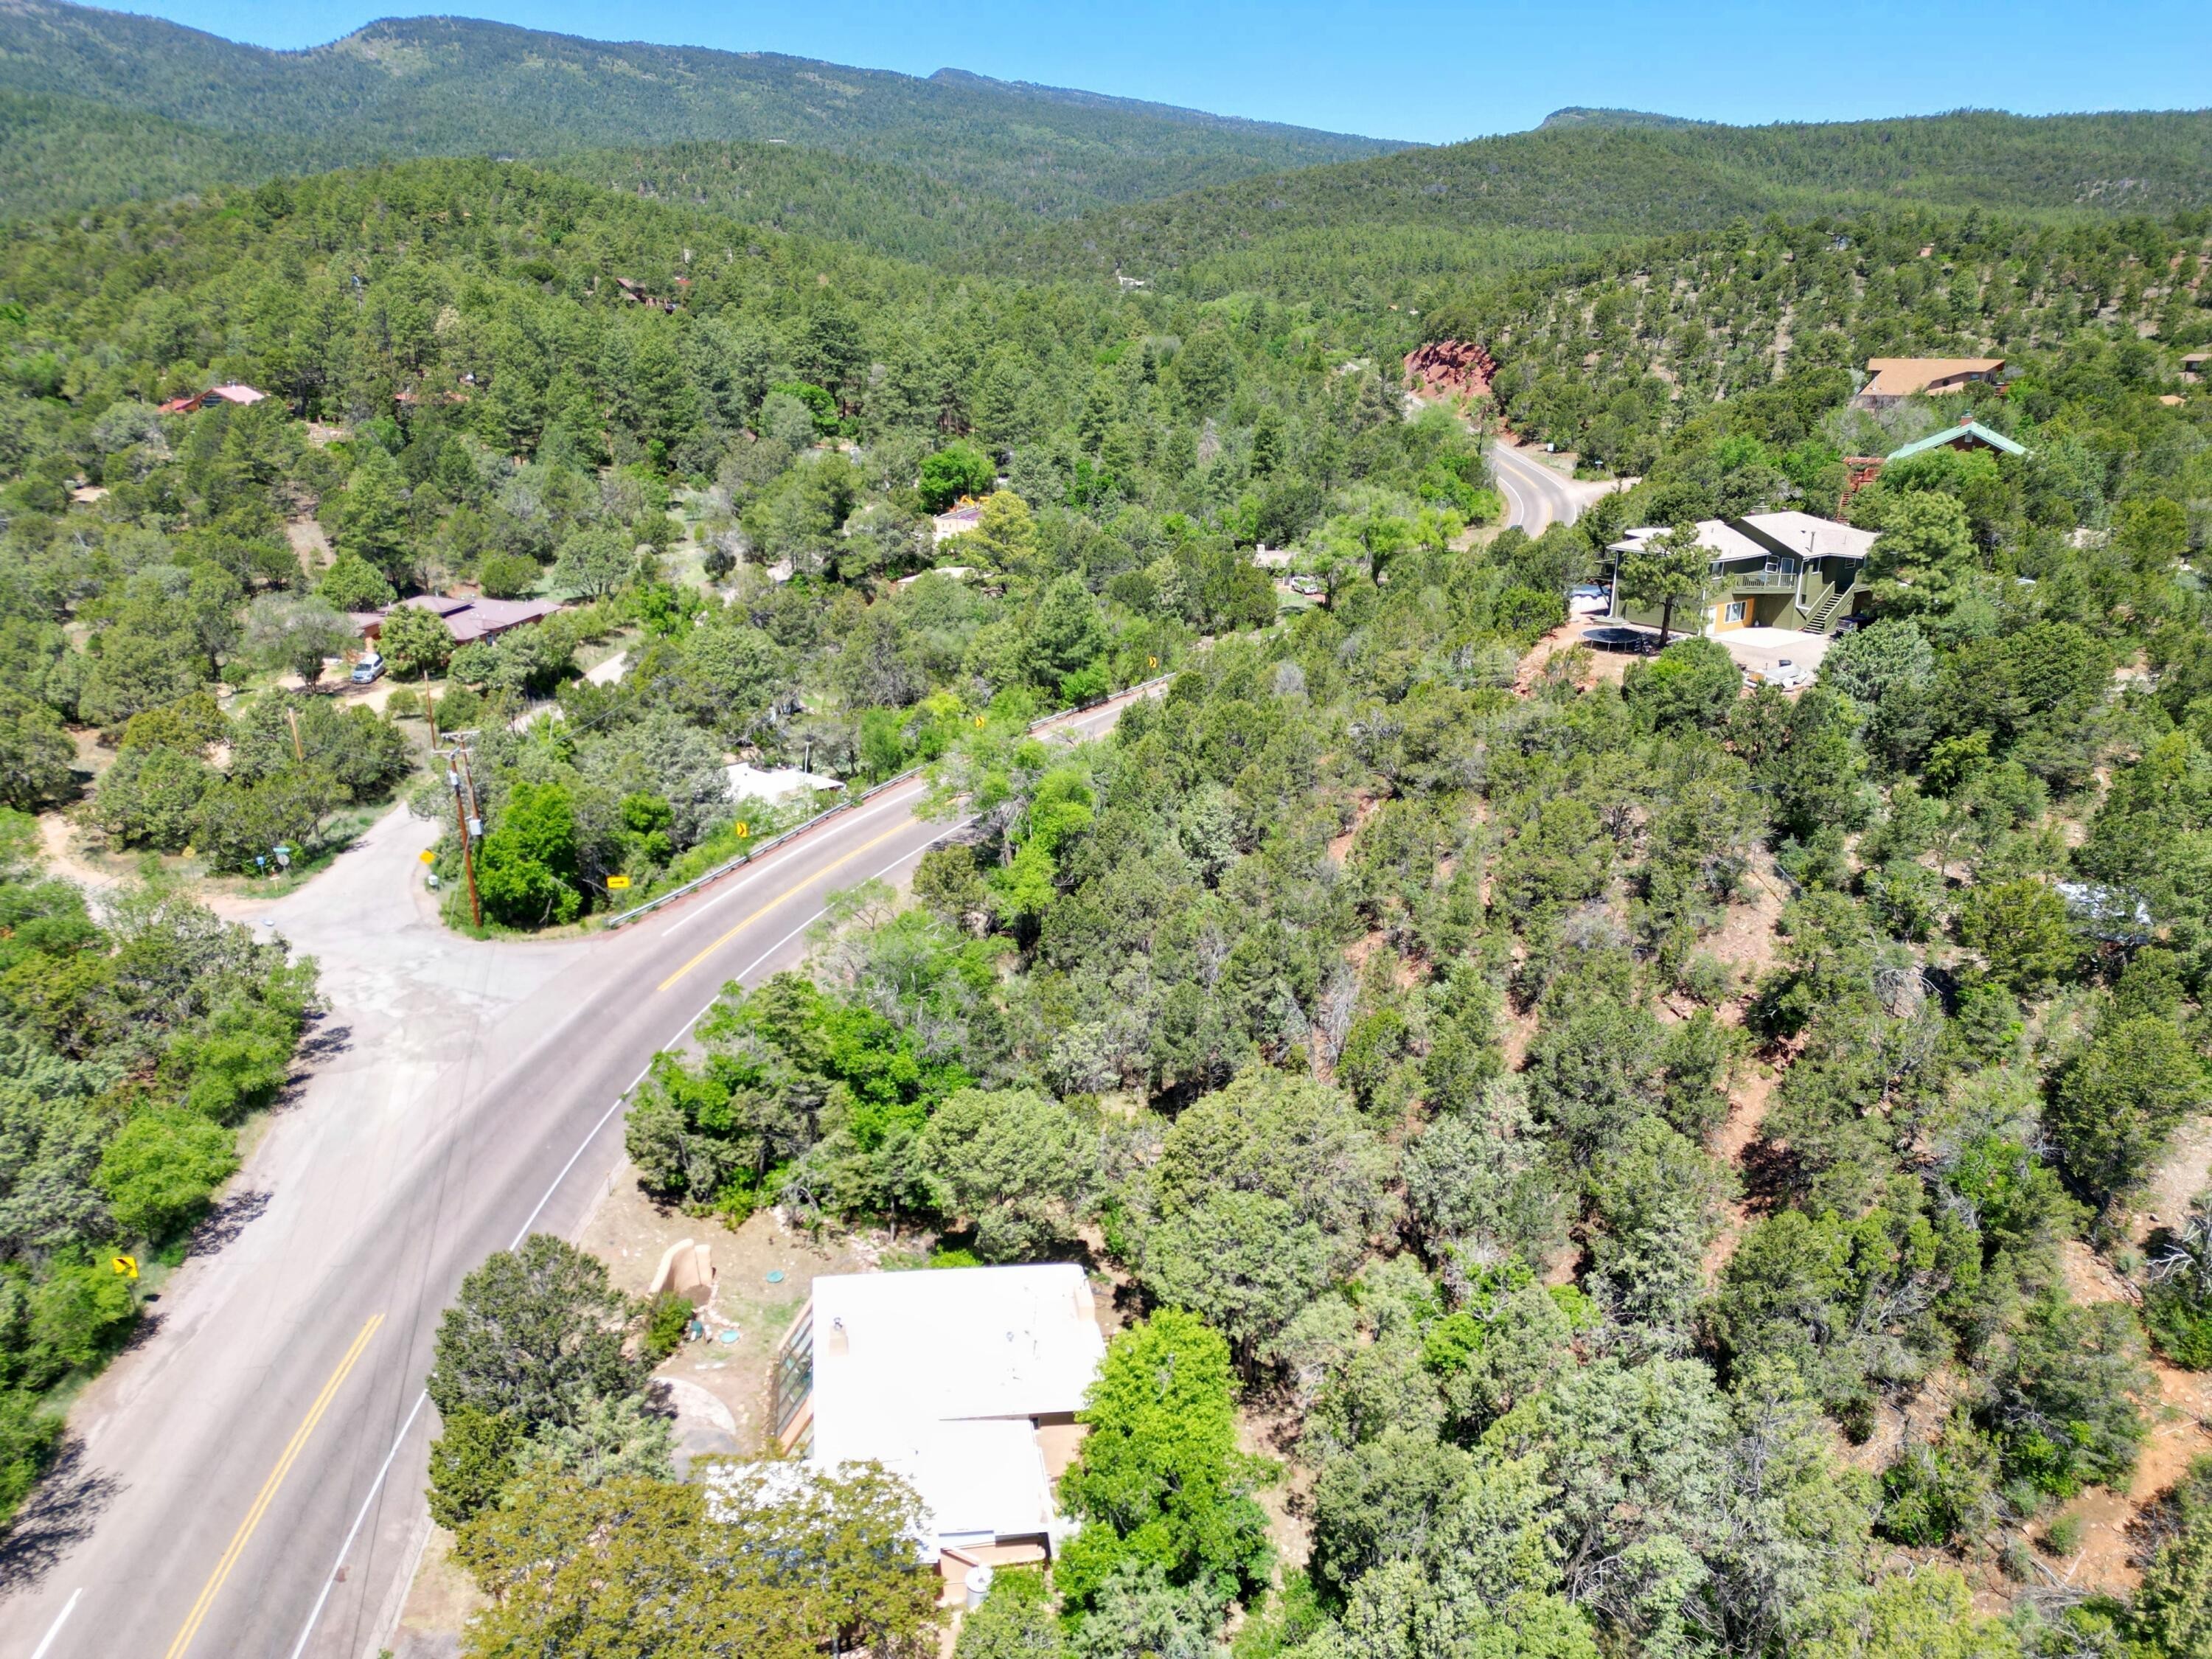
(1769, 570)
(1896, 379)
(467, 619)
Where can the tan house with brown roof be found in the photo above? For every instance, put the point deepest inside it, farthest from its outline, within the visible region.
(1895, 379)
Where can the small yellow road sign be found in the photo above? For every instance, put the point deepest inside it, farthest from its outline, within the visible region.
(127, 1266)
(427, 856)
(745, 830)
(616, 884)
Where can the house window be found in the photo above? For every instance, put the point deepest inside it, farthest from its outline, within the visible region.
(1734, 612)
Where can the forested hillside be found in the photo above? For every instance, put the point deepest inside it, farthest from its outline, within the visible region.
(455, 86)
(514, 421)
(1607, 357)
(887, 209)
(1585, 1158)
(1393, 227)
(1667, 1171)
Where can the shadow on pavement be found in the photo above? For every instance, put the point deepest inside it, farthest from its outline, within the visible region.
(225, 1222)
(59, 1512)
(322, 1041)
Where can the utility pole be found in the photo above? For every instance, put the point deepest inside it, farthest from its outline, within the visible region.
(464, 821)
(430, 707)
(292, 719)
(469, 782)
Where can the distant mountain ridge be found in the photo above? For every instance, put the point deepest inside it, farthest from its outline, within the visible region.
(1576, 115)
(1416, 214)
(456, 86)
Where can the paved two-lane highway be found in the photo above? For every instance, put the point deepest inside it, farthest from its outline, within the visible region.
(1535, 495)
(250, 1475)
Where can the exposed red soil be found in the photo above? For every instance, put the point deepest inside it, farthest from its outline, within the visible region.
(1451, 368)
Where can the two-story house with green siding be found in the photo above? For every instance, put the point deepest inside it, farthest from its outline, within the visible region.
(1769, 570)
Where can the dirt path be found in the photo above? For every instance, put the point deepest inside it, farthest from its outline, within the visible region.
(1594, 667)
(2183, 1172)
(2177, 1438)
(57, 846)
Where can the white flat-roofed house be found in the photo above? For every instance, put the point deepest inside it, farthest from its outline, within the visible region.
(964, 1381)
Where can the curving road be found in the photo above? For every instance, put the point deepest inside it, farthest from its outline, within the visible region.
(247, 1480)
(1535, 495)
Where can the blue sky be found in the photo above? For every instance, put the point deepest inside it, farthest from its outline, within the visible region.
(1433, 73)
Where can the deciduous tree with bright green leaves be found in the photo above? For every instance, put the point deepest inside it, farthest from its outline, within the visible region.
(1160, 1479)
(957, 470)
(416, 642)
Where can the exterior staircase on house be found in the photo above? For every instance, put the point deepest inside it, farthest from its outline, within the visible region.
(1825, 608)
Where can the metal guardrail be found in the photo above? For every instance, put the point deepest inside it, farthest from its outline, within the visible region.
(624, 918)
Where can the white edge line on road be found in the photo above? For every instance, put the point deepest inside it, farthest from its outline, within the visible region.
(55, 1629)
(1512, 497)
(421, 1399)
(352, 1532)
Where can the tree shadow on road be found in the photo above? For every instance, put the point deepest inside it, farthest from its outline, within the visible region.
(225, 1222)
(58, 1514)
(322, 1041)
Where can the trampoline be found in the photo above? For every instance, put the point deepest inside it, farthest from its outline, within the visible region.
(1620, 639)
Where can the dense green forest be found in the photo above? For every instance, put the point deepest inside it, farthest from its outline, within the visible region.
(455, 85)
(1608, 357)
(133, 1043)
(1587, 1158)
(517, 422)
(1405, 227)
(1627, 1138)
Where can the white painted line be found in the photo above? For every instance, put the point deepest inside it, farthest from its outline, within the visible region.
(361, 1515)
(376, 1486)
(55, 1629)
(818, 914)
(1513, 499)
(593, 1135)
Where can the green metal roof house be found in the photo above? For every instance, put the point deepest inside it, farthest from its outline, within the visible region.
(1967, 435)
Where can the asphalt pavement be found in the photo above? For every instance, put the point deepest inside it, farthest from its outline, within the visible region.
(246, 1480)
(1535, 495)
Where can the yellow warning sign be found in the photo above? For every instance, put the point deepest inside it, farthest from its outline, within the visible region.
(616, 884)
(127, 1266)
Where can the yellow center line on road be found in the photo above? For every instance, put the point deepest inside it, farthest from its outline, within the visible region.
(865, 847)
(246, 1528)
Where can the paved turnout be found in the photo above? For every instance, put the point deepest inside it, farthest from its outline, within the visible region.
(248, 1477)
